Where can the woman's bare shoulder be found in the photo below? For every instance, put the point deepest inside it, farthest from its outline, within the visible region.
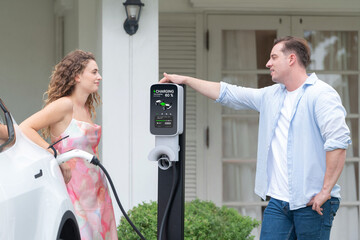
(63, 104)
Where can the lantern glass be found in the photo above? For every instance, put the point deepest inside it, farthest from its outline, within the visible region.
(133, 12)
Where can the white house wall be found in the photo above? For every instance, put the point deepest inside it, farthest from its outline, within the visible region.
(26, 54)
(129, 67)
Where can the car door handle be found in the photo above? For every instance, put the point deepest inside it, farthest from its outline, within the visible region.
(39, 174)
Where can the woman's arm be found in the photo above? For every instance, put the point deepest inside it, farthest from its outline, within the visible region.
(54, 113)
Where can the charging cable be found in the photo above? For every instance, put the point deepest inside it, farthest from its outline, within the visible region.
(96, 162)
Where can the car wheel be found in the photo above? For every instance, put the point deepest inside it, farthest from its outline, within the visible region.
(68, 229)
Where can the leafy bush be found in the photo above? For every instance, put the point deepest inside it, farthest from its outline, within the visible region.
(144, 217)
(203, 221)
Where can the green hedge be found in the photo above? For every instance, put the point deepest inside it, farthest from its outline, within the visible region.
(203, 221)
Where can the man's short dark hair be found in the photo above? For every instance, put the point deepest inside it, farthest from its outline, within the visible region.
(299, 46)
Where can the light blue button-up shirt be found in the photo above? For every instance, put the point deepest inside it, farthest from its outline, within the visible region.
(317, 125)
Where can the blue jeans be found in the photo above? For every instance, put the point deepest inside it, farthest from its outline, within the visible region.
(281, 223)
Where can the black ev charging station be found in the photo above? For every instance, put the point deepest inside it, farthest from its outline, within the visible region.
(167, 123)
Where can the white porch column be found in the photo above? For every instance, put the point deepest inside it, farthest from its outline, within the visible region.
(129, 67)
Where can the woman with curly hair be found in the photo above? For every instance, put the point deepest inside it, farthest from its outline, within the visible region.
(68, 111)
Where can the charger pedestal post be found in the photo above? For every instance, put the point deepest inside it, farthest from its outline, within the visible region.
(167, 123)
(174, 226)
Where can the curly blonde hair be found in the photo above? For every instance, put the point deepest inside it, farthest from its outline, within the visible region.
(63, 82)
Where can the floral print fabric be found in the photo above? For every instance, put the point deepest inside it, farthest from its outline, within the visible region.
(88, 188)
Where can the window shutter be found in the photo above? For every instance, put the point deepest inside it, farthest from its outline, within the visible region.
(177, 54)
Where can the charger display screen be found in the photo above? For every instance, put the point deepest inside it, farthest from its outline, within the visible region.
(164, 109)
(162, 121)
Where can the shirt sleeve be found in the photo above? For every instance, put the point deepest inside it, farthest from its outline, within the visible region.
(330, 115)
(239, 97)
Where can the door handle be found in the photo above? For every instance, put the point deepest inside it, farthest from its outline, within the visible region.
(38, 174)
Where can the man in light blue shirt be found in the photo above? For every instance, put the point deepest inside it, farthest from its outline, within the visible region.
(301, 144)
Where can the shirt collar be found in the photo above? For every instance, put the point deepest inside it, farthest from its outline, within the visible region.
(312, 78)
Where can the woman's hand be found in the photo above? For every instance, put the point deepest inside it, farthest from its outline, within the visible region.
(66, 171)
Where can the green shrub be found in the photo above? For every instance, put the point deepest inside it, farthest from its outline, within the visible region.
(203, 221)
(144, 217)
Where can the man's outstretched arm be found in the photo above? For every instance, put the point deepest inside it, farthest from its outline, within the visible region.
(206, 88)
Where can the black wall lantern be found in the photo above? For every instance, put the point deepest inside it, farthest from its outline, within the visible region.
(133, 9)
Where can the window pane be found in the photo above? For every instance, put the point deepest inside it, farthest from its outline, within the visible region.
(353, 149)
(264, 80)
(346, 222)
(240, 137)
(333, 50)
(244, 80)
(2, 117)
(239, 182)
(349, 182)
(246, 49)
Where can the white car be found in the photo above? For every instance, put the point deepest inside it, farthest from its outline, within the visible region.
(34, 203)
